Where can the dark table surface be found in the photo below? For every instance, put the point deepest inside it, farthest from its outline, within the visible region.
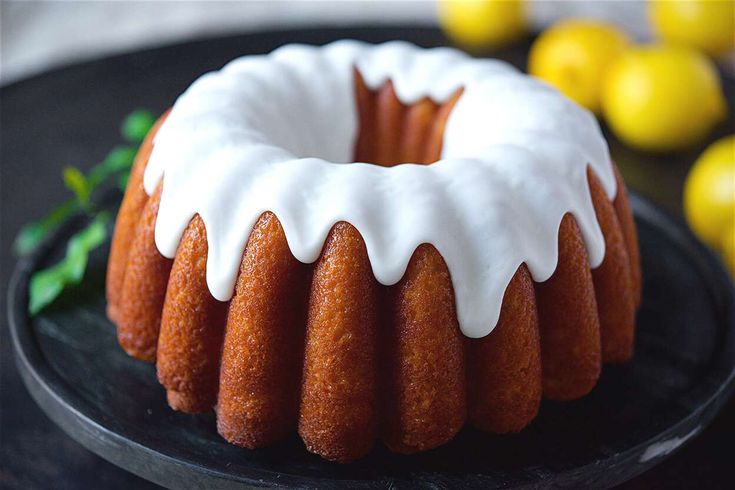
(38, 136)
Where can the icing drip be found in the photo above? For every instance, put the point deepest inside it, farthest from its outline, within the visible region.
(273, 133)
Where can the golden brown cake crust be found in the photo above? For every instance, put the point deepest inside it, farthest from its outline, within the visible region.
(630, 233)
(192, 323)
(263, 348)
(127, 220)
(144, 288)
(426, 392)
(388, 119)
(365, 98)
(613, 282)
(415, 131)
(568, 319)
(339, 396)
(505, 367)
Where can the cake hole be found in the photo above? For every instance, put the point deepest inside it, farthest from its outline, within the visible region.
(391, 133)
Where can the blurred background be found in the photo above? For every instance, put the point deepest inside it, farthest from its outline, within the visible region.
(37, 35)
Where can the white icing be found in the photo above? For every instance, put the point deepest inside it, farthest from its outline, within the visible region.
(272, 133)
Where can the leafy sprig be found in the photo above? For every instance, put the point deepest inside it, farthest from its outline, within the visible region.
(47, 284)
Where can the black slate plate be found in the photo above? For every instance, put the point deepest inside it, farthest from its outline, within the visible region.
(683, 371)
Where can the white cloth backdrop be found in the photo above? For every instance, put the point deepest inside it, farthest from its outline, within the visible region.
(37, 35)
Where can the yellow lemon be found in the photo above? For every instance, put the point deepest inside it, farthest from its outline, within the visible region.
(662, 98)
(574, 55)
(477, 24)
(709, 192)
(728, 250)
(708, 25)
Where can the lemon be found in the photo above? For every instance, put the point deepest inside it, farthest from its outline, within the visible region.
(709, 192)
(728, 250)
(662, 98)
(708, 25)
(477, 24)
(574, 55)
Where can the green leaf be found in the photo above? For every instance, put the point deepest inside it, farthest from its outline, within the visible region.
(77, 251)
(47, 284)
(45, 287)
(137, 125)
(32, 234)
(120, 159)
(77, 183)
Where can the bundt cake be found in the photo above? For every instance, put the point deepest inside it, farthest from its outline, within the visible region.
(274, 280)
